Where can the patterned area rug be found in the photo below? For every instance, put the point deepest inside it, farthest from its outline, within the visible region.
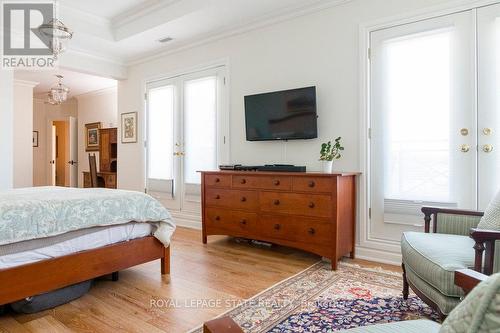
(321, 300)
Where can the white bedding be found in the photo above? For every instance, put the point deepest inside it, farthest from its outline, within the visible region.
(102, 237)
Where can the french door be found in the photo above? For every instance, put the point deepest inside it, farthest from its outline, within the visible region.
(187, 131)
(433, 118)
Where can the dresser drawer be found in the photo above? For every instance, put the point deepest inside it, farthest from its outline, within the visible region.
(263, 182)
(290, 203)
(217, 180)
(313, 184)
(236, 199)
(233, 221)
(297, 229)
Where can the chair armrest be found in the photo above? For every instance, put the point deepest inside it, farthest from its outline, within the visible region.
(467, 279)
(485, 242)
(430, 213)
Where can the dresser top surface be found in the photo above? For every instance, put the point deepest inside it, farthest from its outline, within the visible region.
(276, 173)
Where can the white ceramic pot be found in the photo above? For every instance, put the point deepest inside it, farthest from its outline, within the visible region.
(327, 166)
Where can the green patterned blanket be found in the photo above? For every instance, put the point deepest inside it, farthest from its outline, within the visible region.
(33, 213)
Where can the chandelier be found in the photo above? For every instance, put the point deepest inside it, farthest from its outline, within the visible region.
(58, 93)
(57, 33)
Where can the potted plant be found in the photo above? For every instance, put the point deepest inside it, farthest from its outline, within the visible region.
(330, 152)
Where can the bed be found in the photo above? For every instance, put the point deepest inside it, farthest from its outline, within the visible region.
(52, 237)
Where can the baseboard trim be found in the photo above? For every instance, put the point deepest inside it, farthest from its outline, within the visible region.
(374, 255)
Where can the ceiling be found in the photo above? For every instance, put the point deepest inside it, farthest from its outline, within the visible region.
(127, 31)
(79, 83)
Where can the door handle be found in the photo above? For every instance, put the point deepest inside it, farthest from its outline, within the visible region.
(465, 148)
(72, 162)
(488, 148)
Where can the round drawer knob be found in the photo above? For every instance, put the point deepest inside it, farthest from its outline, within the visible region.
(217, 197)
(243, 181)
(217, 180)
(311, 231)
(277, 182)
(277, 226)
(276, 202)
(217, 218)
(243, 222)
(311, 205)
(312, 183)
(243, 199)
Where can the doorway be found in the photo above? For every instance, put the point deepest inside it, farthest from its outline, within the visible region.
(433, 118)
(187, 131)
(63, 150)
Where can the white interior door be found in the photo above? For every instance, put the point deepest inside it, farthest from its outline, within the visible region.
(186, 132)
(488, 20)
(51, 176)
(72, 146)
(423, 125)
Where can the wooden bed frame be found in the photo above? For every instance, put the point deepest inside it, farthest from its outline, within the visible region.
(43, 276)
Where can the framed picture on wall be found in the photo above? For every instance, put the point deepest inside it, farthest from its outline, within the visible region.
(92, 136)
(35, 139)
(129, 127)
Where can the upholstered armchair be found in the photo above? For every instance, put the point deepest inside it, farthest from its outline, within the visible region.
(453, 240)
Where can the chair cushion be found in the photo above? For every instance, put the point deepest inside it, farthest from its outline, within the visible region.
(478, 312)
(445, 303)
(436, 257)
(491, 218)
(409, 326)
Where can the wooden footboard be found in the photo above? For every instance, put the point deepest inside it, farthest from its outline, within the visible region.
(47, 275)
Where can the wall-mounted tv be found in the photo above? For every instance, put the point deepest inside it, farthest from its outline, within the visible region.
(282, 115)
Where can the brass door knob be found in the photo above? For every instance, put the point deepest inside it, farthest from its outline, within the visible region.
(488, 148)
(487, 131)
(465, 148)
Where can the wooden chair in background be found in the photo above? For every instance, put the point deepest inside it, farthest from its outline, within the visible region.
(94, 182)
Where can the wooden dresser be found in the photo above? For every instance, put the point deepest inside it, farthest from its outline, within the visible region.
(310, 211)
(108, 153)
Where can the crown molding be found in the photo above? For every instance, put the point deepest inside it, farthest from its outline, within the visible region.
(270, 19)
(99, 92)
(25, 83)
(139, 11)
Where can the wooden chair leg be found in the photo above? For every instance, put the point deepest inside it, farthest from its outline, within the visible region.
(406, 286)
(165, 261)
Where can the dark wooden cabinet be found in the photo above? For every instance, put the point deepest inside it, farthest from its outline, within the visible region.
(311, 211)
(108, 148)
(108, 154)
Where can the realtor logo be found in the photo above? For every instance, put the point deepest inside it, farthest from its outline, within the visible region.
(24, 45)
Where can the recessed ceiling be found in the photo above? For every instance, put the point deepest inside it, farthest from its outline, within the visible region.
(127, 31)
(79, 83)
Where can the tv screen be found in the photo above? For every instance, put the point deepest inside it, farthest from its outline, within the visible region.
(282, 115)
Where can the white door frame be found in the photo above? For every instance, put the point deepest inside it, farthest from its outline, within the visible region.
(223, 133)
(50, 121)
(368, 248)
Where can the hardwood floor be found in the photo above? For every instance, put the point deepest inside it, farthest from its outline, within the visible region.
(143, 301)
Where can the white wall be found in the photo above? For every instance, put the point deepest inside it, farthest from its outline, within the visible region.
(99, 106)
(23, 133)
(6, 129)
(319, 49)
(42, 114)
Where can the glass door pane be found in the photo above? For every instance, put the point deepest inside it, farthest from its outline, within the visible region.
(488, 103)
(200, 132)
(160, 141)
(423, 122)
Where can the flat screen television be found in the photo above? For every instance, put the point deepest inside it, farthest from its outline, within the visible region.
(282, 115)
